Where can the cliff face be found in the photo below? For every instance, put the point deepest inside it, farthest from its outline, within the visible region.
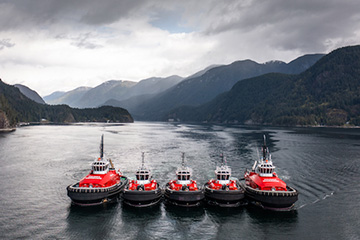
(4, 122)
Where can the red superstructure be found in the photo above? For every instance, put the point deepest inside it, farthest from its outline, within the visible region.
(101, 176)
(214, 184)
(189, 185)
(134, 185)
(265, 181)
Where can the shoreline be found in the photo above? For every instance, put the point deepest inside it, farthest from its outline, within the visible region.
(23, 124)
(7, 130)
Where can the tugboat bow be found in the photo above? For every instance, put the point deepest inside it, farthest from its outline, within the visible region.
(102, 184)
(265, 188)
(224, 190)
(183, 191)
(144, 191)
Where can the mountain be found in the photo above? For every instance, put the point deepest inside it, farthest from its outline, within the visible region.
(16, 107)
(116, 90)
(328, 93)
(50, 99)
(147, 93)
(199, 90)
(101, 93)
(152, 86)
(201, 72)
(302, 63)
(131, 103)
(69, 98)
(31, 94)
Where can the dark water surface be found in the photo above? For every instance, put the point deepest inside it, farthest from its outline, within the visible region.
(38, 162)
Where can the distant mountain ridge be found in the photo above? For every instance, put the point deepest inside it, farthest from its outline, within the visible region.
(69, 98)
(153, 98)
(31, 94)
(52, 98)
(328, 93)
(199, 90)
(114, 89)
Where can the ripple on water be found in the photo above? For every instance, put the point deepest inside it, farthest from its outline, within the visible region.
(321, 166)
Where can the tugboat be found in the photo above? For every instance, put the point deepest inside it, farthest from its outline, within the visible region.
(103, 183)
(183, 191)
(224, 191)
(144, 191)
(264, 188)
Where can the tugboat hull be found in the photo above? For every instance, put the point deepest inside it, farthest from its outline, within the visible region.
(276, 200)
(224, 198)
(138, 198)
(85, 196)
(184, 198)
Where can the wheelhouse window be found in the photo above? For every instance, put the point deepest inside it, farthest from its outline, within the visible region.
(182, 176)
(99, 166)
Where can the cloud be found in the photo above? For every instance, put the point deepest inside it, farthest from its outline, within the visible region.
(65, 44)
(303, 25)
(5, 43)
(85, 40)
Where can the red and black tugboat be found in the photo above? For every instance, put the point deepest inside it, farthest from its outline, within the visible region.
(183, 191)
(144, 191)
(102, 184)
(264, 188)
(224, 191)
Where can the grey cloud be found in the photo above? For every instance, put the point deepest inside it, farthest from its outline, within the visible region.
(5, 43)
(305, 25)
(32, 14)
(104, 12)
(84, 41)
(301, 24)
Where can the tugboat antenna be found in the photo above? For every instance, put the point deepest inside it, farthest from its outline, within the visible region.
(102, 146)
(183, 159)
(143, 156)
(264, 148)
(223, 159)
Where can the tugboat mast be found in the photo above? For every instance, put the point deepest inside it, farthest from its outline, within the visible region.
(143, 161)
(223, 160)
(183, 160)
(264, 149)
(102, 146)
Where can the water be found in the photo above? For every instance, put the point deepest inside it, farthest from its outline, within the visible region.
(38, 162)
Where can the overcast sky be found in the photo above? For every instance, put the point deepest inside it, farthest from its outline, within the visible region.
(52, 45)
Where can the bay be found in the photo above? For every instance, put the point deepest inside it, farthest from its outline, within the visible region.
(39, 162)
